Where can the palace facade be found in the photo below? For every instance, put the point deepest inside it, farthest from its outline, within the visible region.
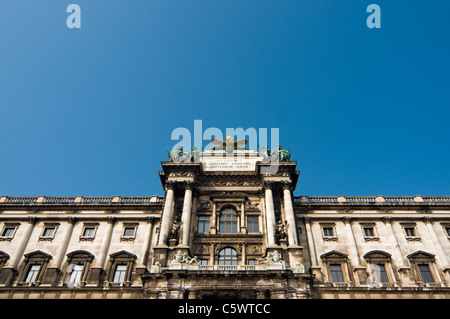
(225, 228)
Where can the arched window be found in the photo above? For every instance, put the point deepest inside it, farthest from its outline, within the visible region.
(228, 256)
(228, 221)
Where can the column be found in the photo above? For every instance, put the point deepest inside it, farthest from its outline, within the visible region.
(311, 245)
(167, 214)
(270, 215)
(404, 271)
(186, 215)
(243, 224)
(65, 243)
(8, 271)
(359, 271)
(290, 217)
(147, 240)
(442, 257)
(53, 271)
(19, 254)
(213, 227)
(106, 241)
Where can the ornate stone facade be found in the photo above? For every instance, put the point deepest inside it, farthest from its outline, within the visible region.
(225, 233)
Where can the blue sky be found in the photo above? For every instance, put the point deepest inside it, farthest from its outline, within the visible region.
(90, 111)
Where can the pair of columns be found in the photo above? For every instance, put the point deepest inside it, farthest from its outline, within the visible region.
(167, 218)
(289, 214)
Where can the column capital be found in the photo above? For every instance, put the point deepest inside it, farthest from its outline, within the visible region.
(71, 220)
(111, 219)
(287, 185)
(190, 185)
(150, 219)
(307, 219)
(32, 220)
(171, 185)
(427, 220)
(387, 219)
(268, 185)
(346, 219)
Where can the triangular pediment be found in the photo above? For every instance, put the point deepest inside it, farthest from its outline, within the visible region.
(123, 254)
(334, 254)
(420, 254)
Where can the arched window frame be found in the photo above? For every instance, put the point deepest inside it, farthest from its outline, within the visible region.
(232, 258)
(34, 258)
(79, 257)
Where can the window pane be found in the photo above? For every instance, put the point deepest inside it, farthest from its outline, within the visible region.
(49, 231)
(228, 221)
(89, 232)
(409, 231)
(203, 224)
(328, 231)
(129, 232)
(368, 231)
(380, 271)
(32, 273)
(425, 272)
(228, 256)
(336, 273)
(119, 275)
(252, 224)
(75, 276)
(8, 232)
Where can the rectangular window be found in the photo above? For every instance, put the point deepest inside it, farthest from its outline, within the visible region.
(410, 232)
(251, 262)
(336, 273)
(380, 271)
(89, 232)
(75, 275)
(203, 224)
(33, 273)
(8, 232)
(425, 273)
(328, 232)
(49, 232)
(369, 232)
(119, 274)
(203, 262)
(252, 224)
(129, 231)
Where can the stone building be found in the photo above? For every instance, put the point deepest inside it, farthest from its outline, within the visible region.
(226, 227)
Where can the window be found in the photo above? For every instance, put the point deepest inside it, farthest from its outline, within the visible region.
(129, 232)
(368, 232)
(252, 224)
(75, 275)
(328, 232)
(409, 231)
(251, 262)
(336, 273)
(89, 232)
(203, 262)
(228, 256)
(121, 269)
(228, 221)
(79, 263)
(8, 232)
(447, 230)
(380, 271)
(120, 272)
(203, 224)
(425, 273)
(48, 232)
(32, 273)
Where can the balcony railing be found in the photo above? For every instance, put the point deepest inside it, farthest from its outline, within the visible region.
(79, 200)
(371, 199)
(226, 268)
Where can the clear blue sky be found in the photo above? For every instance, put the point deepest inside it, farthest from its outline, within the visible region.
(90, 111)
